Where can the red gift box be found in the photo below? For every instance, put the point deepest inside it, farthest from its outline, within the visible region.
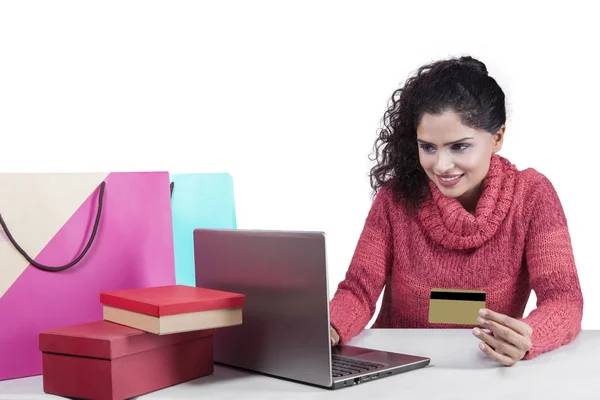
(102, 360)
(165, 310)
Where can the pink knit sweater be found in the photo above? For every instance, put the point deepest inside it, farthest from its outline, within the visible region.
(517, 241)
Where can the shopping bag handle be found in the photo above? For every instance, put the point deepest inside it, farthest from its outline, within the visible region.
(72, 263)
(172, 185)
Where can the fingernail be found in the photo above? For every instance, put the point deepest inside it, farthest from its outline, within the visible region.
(481, 321)
(476, 331)
(482, 312)
(481, 346)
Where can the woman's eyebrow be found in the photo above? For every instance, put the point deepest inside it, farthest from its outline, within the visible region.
(454, 142)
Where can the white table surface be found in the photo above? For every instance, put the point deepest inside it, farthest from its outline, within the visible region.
(458, 370)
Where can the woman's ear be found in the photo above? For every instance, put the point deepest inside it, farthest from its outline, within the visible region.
(498, 139)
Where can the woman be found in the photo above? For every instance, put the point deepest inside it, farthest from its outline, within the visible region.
(451, 213)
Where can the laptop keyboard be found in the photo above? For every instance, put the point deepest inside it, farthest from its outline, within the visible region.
(346, 366)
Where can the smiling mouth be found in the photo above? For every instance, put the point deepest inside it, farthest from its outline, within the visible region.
(449, 178)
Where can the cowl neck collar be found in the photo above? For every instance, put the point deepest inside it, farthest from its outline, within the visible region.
(449, 224)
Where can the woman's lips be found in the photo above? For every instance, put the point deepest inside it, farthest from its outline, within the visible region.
(449, 180)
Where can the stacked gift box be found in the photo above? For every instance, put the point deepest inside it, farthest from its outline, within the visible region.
(149, 339)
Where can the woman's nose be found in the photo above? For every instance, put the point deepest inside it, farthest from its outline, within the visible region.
(443, 163)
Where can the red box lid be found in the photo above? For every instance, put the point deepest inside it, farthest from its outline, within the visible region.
(170, 300)
(107, 340)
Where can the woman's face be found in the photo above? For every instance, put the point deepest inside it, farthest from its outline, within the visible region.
(455, 157)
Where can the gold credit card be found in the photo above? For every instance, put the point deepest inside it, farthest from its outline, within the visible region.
(453, 306)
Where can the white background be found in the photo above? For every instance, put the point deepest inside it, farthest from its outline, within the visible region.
(288, 96)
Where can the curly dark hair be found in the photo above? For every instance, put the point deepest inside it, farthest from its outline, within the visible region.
(461, 85)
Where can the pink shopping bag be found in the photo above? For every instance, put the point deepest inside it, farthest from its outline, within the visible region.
(64, 238)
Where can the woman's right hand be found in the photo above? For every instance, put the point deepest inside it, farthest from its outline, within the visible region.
(335, 338)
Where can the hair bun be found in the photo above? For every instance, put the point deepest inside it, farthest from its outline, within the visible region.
(471, 62)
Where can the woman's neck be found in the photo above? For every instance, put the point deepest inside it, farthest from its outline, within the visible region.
(469, 199)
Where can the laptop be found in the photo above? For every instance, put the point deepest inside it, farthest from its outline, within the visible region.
(285, 330)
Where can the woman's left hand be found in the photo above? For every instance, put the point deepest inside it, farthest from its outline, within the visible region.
(511, 339)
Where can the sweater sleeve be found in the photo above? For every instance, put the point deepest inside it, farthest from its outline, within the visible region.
(354, 302)
(556, 320)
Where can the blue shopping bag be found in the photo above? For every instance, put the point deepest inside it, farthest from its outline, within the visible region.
(203, 200)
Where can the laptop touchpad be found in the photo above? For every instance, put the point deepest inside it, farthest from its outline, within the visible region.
(385, 357)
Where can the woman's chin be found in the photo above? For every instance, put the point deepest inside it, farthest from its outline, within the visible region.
(454, 191)
(450, 192)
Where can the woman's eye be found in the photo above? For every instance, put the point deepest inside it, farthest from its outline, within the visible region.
(459, 147)
(427, 148)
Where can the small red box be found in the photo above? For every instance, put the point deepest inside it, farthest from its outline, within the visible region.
(102, 360)
(165, 310)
